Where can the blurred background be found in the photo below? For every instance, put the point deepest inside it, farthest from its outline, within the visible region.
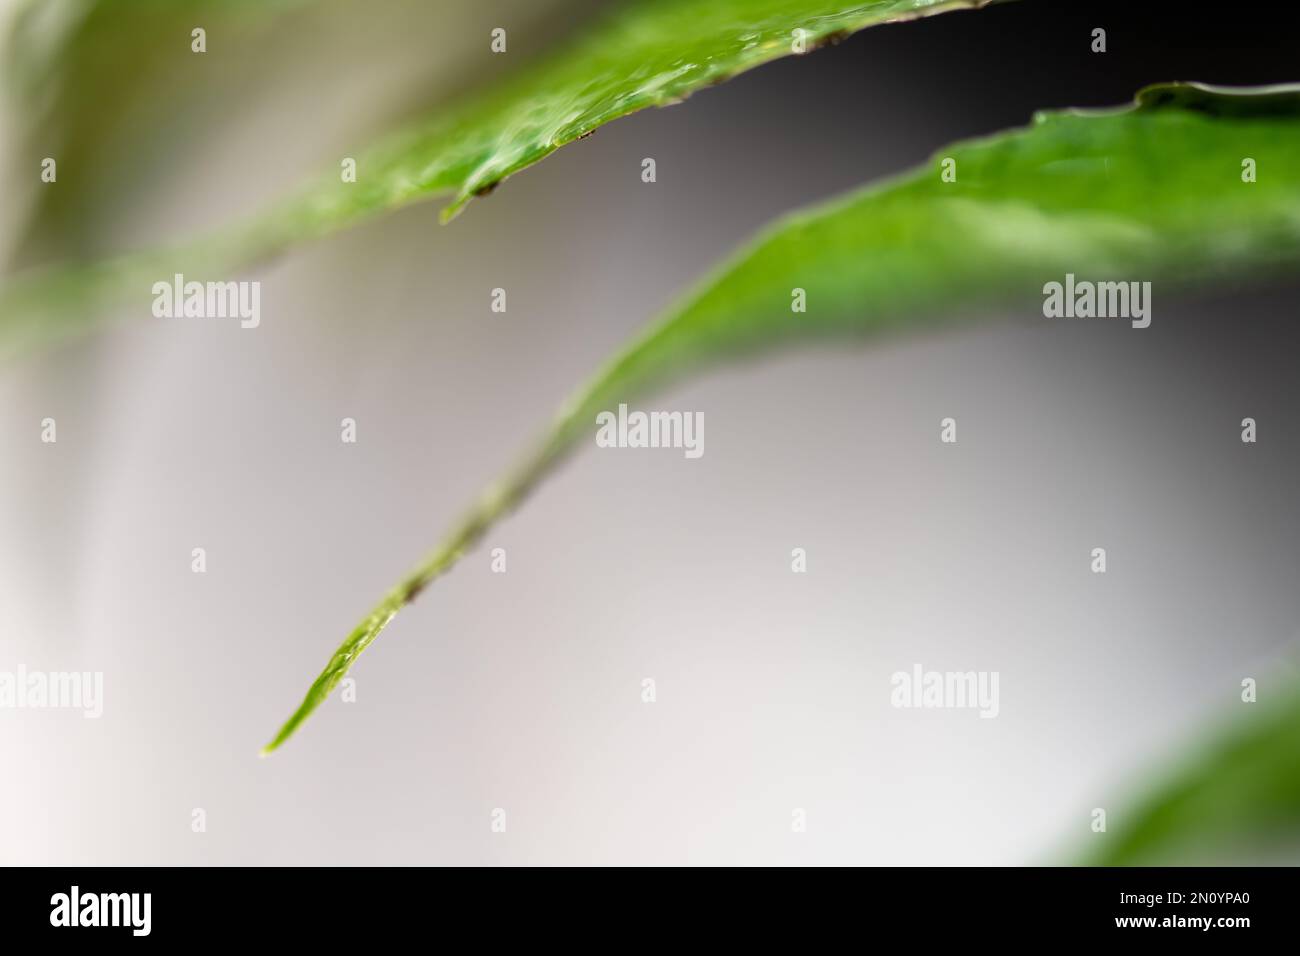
(522, 690)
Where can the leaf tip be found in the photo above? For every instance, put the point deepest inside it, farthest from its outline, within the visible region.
(275, 742)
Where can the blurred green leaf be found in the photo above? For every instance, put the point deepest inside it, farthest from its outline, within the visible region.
(1231, 800)
(1151, 192)
(650, 53)
(92, 77)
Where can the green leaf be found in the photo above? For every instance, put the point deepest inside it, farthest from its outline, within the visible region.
(1151, 192)
(1232, 799)
(652, 53)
